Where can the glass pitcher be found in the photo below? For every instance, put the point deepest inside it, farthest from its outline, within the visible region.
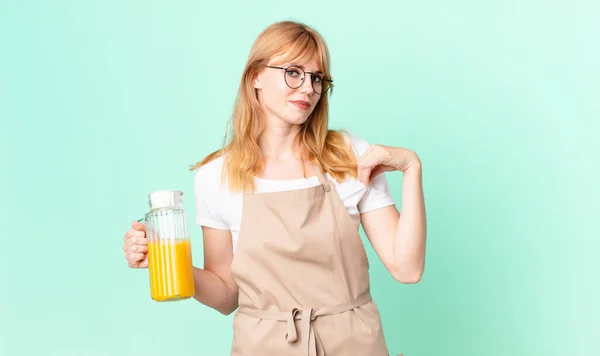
(169, 247)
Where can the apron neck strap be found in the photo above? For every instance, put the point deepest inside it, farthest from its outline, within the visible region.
(323, 179)
(327, 185)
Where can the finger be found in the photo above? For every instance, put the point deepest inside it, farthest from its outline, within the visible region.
(366, 164)
(365, 156)
(377, 171)
(137, 249)
(136, 225)
(134, 264)
(364, 171)
(128, 243)
(140, 240)
(135, 257)
(361, 166)
(135, 245)
(363, 175)
(140, 264)
(136, 240)
(134, 233)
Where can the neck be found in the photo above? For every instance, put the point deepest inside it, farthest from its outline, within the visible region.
(278, 141)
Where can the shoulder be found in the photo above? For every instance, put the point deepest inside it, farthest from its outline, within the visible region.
(359, 145)
(208, 176)
(212, 198)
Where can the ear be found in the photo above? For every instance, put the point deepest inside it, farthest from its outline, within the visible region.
(257, 82)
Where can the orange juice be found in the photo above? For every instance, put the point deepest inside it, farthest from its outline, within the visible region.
(170, 269)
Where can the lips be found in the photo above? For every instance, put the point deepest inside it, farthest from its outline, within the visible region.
(301, 104)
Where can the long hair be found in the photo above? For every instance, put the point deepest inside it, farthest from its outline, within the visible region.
(327, 149)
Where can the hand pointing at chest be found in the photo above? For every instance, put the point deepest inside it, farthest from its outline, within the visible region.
(380, 158)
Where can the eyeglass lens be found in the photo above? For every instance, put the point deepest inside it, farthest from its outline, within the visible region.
(294, 77)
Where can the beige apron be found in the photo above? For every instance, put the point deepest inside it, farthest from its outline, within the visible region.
(303, 278)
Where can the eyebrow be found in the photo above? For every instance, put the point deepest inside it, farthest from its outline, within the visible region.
(301, 66)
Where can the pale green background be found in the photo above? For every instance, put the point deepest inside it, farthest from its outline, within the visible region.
(102, 102)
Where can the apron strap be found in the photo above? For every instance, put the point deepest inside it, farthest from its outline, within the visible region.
(327, 185)
(311, 343)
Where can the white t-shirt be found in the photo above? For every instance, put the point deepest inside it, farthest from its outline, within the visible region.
(218, 208)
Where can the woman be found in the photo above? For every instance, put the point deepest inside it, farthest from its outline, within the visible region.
(280, 207)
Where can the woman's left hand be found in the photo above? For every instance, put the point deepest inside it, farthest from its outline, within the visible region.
(380, 158)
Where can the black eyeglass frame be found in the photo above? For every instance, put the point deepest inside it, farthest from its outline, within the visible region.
(312, 78)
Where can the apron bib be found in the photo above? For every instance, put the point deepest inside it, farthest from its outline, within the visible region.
(303, 278)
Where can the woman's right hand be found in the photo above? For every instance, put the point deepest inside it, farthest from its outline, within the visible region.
(136, 246)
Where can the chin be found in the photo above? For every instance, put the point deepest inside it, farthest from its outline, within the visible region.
(296, 120)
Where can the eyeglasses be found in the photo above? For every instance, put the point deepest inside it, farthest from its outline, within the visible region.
(294, 78)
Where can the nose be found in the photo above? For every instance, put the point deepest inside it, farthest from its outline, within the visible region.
(306, 87)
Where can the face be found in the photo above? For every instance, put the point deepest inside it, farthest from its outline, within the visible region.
(292, 106)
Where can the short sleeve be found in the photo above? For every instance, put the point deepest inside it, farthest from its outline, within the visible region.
(207, 201)
(378, 193)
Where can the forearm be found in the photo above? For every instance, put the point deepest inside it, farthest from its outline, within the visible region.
(411, 232)
(214, 292)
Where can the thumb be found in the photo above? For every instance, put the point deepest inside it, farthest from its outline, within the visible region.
(363, 175)
(136, 225)
(377, 171)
